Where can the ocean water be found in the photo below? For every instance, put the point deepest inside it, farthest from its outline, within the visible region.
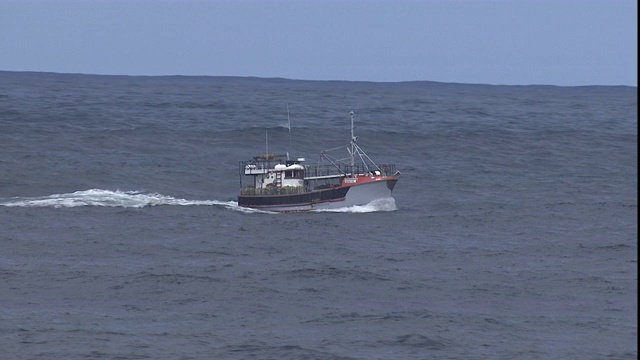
(512, 233)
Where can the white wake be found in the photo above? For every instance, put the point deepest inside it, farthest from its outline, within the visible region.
(137, 199)
(108, 198)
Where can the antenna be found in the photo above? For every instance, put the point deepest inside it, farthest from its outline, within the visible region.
(266, 141)
(288, 126)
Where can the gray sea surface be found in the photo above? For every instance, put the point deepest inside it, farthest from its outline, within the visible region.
(512, 233)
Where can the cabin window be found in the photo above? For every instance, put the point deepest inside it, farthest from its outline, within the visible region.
(294, 174)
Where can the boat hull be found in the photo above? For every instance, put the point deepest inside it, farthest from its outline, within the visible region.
(358, 193)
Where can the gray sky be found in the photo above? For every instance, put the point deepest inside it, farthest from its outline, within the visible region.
(555, 42)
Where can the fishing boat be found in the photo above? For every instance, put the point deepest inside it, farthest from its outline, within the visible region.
(277, 183)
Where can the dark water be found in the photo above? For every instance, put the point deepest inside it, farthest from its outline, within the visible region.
(513, 234)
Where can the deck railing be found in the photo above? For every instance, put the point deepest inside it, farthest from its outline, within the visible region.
(331, 170)
(287, 190)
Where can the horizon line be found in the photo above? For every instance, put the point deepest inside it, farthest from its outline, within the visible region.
(315, 80)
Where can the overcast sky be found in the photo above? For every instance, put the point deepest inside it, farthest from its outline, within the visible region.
(555, 42)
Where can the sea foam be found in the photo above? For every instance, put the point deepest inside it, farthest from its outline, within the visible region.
(108, 198)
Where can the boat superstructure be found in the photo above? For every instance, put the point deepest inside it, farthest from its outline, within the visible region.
(277, 183)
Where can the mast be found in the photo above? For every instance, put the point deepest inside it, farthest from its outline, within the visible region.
(352, 150)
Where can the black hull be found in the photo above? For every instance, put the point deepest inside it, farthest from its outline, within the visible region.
(335, 194)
